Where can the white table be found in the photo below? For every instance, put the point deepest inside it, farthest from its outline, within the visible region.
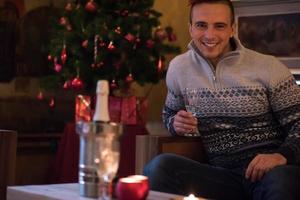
(65, 192)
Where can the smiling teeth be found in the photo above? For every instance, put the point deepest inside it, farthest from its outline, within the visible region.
(210, 44)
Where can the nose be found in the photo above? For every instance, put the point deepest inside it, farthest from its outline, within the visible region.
(210, 33)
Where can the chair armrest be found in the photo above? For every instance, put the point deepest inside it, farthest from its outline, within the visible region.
(148, 146)
(8, 152)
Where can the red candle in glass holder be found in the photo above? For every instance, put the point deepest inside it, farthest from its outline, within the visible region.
(130, 189)
(145, 184)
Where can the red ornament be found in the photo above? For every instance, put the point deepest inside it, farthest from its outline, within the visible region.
(77, 83)
(160, 33)
(63, 21)
(149, 43)
(124, 13)
(69, 7)
(67, 84)
(118, 30)
(91, 6)
(57, 67)
(40, 95)
(160, 64)
(52, 102)
(49, 57)
(102, 43)
(129, 37)
(138, 40)
(172, 37)
(85, 44)
(113, 84)
(111, 46)
(63, 55)
(69, 27)
(100, 64)
(129, 78)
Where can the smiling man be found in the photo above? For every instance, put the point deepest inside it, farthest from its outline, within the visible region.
(246, 108)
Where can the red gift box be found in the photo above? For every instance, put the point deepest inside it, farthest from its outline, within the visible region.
(126, 110)
(134, 110)
(115, 104)
(83, 108)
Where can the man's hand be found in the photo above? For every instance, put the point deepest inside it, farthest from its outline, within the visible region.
(184, 122)
(262, 163)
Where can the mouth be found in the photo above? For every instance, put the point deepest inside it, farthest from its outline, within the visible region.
(210, 44)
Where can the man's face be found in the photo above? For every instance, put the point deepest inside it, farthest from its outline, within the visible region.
(211, 29)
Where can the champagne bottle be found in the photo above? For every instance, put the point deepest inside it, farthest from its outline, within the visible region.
(101, 109)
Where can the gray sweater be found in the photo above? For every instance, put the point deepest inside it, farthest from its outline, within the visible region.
(248, 104)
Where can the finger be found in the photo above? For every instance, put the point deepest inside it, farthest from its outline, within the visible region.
(260, 174)
(254, 175)
(267, 169)
(251, 167)
(190, 121)
(185, 119)
(184, 114)
(181, 128)
(186, 128)
(249, 170)
(179, 131)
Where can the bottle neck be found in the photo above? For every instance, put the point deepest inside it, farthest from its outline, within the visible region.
(101, 108)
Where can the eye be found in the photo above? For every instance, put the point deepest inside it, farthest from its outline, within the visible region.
(200, 25)
(220, 26)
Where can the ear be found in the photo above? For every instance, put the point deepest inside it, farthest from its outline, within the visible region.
(190, 29)
(233, 26)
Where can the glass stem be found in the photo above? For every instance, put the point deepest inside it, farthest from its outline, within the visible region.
(105, 190)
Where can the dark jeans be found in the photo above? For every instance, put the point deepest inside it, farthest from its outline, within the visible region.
(179, 175)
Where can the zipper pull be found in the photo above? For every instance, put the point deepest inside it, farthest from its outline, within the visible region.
(214, 78)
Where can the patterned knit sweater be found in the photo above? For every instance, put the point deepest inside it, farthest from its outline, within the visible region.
(248, 104)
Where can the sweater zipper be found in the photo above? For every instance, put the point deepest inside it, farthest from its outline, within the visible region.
(214, 74)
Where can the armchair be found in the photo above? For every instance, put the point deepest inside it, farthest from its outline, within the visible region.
(8, 151)
(148, 146)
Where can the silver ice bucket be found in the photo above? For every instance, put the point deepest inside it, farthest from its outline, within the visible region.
(88, 133)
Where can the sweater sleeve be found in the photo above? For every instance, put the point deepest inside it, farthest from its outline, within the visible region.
(284, 99)
(174, 100)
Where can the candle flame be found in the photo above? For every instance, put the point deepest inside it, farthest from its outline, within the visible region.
(138, 177)
(129, 180)
(190, 197)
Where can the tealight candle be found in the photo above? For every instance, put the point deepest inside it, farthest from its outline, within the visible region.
(129, 188)
(190, 197)
(145, 184)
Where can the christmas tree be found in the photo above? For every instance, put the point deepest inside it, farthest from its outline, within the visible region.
(117, 40)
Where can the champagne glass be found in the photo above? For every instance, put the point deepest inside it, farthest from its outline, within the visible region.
(191, 106)
(107, 155)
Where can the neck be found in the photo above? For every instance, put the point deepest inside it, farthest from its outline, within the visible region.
(229, 47)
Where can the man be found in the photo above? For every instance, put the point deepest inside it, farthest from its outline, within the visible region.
(246, 107)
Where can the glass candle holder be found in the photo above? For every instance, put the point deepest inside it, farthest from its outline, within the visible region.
(145, 184)
(132, 188)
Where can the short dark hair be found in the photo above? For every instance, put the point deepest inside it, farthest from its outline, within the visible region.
(192, 3)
